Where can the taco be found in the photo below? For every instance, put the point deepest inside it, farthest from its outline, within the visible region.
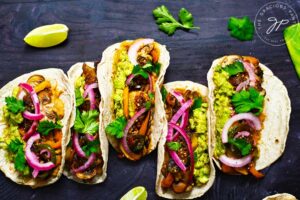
(184, 166)
(35, 111)
(87, 150)
(131, 73)
(250, 115)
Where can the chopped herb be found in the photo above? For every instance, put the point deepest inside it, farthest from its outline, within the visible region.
(241, 29)
(248, 101)
(151, 95)
(164, 93)
(79, 97)
(168, 24)
(14, 105)
(86, 122)
(137, 70)
(234, 68)
(91, 147)
(148, 105)
(155, 68)
(45, 127)
(197, 103)
(16, 147)
(116, 127)
(242, 145)
(175, 146)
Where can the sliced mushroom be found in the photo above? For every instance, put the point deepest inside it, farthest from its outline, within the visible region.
(87, 174)
(35, 80)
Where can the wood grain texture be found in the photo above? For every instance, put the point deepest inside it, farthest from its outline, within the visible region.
(94, 25)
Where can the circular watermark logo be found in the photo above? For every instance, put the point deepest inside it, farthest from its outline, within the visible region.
(272, 19)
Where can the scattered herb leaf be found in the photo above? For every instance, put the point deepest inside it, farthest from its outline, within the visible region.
(234, 68)
(91, 147)
(116, 127)
(175, 146)
(45, 127)
(86, 122)
(79, 97)
(242, 145)
(197, 103)
(241, 29)
(14, 105)
(164, 93)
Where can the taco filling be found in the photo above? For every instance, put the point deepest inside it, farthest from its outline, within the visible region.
(135, 72)
(238, 106)
(186, 159)
(33, 134)
(83, 154)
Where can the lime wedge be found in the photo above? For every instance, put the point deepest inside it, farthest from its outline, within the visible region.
(47, 36)
(136, 193)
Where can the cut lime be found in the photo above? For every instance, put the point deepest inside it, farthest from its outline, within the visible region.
(136, 193)
(47, 36)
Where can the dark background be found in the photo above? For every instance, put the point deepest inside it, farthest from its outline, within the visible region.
(94, 25)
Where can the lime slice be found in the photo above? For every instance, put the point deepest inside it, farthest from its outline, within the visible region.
(136, 193)
(47, 36)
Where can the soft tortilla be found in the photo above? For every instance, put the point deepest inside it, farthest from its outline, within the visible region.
(74, 72)
(281, 196)
(277, 109)
(55, 76)
(105, 77)
(196, 191)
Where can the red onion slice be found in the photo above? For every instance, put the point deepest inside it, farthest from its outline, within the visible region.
(150, 83)
(242, 85)
(128, 126)
(32, 159)
(129, 79)
(233, 162)
(250, 70)
(181, 110)
(31, 130)
(48, 153)
(33, 95)
(35, 173)
(178, 96)
(177, 160)
(89, 87)
(90, 137)
(134, 48)
(189, 145)
(242, 134)
(87, 164)
(243, 116)
(32, 116)
(76, 146)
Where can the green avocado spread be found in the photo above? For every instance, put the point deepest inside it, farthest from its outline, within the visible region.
(122, 68)
(198, 123)
(222, 104)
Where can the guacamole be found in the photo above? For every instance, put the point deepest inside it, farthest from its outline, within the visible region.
(222, 104)
(122, 68)
(198, 123)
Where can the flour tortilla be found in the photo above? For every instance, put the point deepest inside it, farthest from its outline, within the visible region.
(277, 109)
(105, 75)
(55, 76)
(281, 196)
(196, 191)
(74, 72)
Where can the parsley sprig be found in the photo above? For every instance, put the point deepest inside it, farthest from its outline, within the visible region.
(116, 127)
(14, 105)
(86, 122)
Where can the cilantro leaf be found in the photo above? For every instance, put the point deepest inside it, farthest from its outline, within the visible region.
(79, 97)
(45, 127)
(151, 95)
(197, 103)
(164, 93)
(14, 105)
(248, 101)
(234, 68)
(137, 70)
(241, 29)
(149, 67)
(116, 127)
(148, 105)
(242, 145)
(168, 24)
(16, 147)
(91, 147)
(175, 146)
(86, 122)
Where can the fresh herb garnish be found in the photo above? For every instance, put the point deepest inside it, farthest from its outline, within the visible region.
(86, 122)
(175, 146)
(151, 95)
(248, 101)
(168, 24)
(45, 127)
(241, 144)
(197, 103)
(16, 147)
(14, 105)
(164, 93)
(148, 105)
(241, 29)
(116, 127)
(91, 147)
(79, 97)
(234, 68)
(146, 69)
(138, 70)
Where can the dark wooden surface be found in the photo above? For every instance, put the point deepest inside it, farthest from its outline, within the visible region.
(94, 25)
